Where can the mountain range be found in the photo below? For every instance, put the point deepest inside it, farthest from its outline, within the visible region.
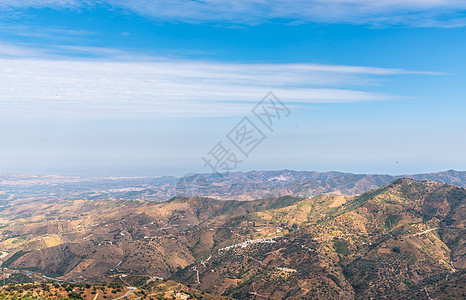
(224, 186)
(403, 240)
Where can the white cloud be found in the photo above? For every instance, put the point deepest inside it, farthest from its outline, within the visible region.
(46, 3)
(9, 50)
(423, 13)
(96, 89)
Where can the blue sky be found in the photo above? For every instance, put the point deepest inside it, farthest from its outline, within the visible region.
(144, 88)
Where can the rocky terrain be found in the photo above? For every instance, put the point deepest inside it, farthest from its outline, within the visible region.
(403, 240)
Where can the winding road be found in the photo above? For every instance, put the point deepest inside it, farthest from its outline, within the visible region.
(130, 290)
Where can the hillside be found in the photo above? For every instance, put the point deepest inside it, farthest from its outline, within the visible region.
(403, 240)
(386, 242)
(152, 290)
(90, 239)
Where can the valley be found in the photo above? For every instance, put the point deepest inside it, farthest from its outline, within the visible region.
(405, 239)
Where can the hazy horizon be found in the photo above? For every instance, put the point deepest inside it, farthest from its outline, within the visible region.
(192, 173)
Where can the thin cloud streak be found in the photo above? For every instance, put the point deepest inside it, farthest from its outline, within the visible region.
(10, 50)
(417, 13)
(96, 89)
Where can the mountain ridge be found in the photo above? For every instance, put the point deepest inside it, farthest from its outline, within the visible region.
(400, 239)
(232, 186)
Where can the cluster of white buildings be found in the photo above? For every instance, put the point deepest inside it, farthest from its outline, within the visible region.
(250, 242)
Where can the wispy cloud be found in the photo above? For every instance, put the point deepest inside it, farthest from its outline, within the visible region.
(47, 3)
(9, 50)
(55, 33)
(420, 13)
(156, 88)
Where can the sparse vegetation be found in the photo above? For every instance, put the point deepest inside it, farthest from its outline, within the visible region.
(382, 242)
